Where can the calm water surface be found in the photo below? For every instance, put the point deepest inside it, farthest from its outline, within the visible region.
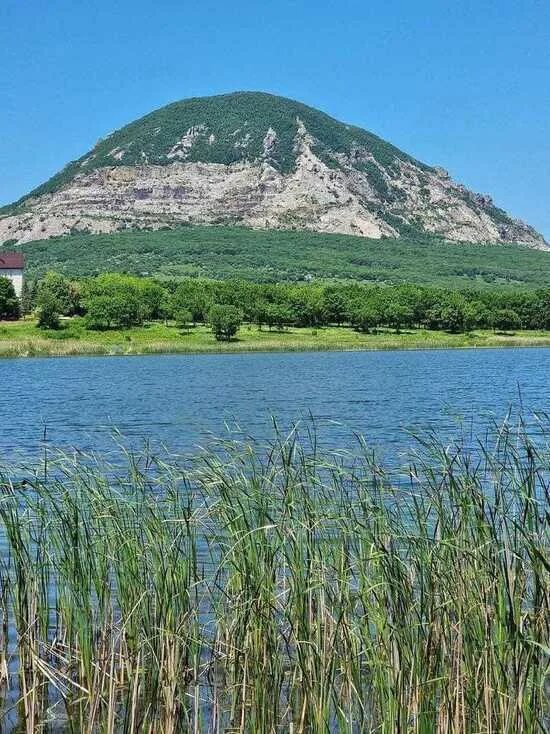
(178, 400)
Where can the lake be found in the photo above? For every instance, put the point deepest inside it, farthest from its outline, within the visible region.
(189, 566)
(178, 400)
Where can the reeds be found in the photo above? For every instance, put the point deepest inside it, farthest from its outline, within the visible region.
(276, 589)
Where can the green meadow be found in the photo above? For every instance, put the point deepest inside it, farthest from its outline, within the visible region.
(24, 338)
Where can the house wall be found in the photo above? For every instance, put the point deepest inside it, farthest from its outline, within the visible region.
(16, 277)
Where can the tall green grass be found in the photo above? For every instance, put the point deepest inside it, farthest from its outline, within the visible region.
(279, 589)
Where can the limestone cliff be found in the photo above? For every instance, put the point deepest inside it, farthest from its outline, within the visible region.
(261, 161)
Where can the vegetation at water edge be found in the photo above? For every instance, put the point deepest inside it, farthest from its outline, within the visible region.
(121, 314)
(113, 300)
(264, 589)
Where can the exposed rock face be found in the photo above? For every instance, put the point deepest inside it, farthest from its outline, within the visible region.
(346, 189)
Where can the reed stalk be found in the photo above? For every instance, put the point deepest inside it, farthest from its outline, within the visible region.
(275, 589)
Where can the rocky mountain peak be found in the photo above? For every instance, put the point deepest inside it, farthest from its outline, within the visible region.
(256, 160)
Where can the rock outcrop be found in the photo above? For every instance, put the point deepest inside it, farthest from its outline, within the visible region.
(287, 166)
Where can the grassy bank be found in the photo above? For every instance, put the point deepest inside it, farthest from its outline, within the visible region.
(25, 339)
(265, 590)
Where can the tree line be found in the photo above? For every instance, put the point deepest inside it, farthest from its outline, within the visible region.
(119, 301)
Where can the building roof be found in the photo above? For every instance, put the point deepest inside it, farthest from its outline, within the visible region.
(9, 260)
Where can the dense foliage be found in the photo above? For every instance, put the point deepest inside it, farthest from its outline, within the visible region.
(224, 320)
(226, 128)
(272, 256)
(114, 300)
(9, 304)
(48, 312)
(56, 288)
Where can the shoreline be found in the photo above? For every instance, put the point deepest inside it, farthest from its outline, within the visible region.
(19, 340)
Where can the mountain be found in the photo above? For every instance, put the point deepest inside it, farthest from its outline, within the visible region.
(256, 160)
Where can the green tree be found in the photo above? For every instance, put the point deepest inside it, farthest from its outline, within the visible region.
(540, 316)
(100, 312)
(334, 306)
(152, 296)
(476, 316)
(448, 313)
(9, 303)
(415, 298)
(48, 311)
(277, 314)
(195, 296)
(306, 303)
(64, 292)
(128, 308)
(398, 315)
(366, 318)
(241, 294)
(183, 317)
(33, 295)
(225, 321)
(506, 320)
(26, 303)
(259, 312)
(452, 317)
(128, 297)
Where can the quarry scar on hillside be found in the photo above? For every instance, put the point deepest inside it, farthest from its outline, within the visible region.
(260, 161)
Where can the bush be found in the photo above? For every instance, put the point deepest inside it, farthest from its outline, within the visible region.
(62, 335)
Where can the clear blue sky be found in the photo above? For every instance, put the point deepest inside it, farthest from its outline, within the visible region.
(460, 83)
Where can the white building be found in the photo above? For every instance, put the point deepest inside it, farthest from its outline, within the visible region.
(12, 265)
